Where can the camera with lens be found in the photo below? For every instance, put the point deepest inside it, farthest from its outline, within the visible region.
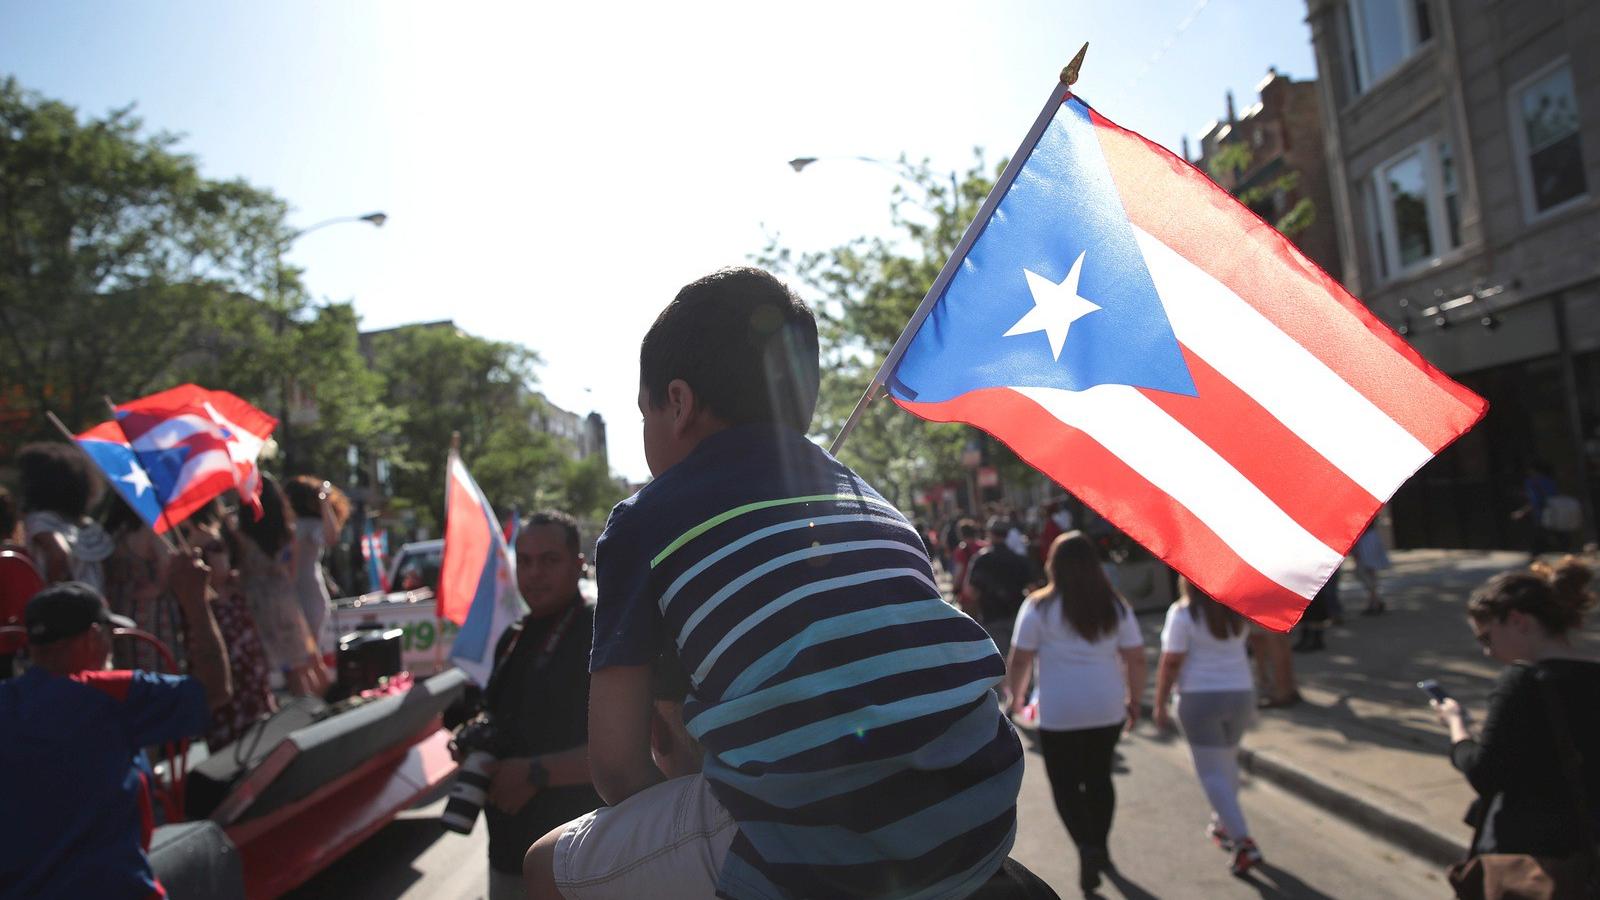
(478, 745)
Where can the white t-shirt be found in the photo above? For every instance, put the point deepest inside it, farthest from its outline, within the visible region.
(1211, 664)
(1081, 683)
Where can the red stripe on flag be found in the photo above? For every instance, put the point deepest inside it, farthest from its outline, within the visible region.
(1304, 484)
(1109, 486)
(1225, 239)
(467, 544)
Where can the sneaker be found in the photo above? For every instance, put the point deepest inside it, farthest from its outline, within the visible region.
(1246, 857)
(1219, 836)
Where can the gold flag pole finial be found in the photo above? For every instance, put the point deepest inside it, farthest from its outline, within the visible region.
(1069, 75)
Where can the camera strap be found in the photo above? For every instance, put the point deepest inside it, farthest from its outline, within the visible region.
(553, 639)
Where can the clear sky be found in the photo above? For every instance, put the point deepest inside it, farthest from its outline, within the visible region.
(553, 173)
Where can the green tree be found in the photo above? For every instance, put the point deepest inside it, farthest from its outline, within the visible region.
(124, 271)
(1233, 160)
(441, 381)
(865, 292)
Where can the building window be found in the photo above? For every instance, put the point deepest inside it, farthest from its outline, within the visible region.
(1416, 207)
(1384, 34)
(1544, 127)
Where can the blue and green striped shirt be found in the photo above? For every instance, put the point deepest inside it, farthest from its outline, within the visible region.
(846, 710)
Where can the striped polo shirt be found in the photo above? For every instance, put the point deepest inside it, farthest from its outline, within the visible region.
(847, 711)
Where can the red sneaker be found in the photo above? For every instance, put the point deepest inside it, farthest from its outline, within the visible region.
(1246, 857)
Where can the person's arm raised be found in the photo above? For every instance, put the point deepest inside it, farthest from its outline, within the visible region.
(208, 658)
(619, 732)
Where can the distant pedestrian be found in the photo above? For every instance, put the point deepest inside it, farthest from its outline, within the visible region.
(265, 571)
(997, 580)
(1538, 486)
(1318, 617)
(320, 511)
(1091, 679)
(967, 546)
(1203, 659)
(1535, 765)
(1371, 557)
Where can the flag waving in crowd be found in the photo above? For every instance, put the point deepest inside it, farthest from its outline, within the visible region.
(170, 453)
(477, 579)
(1136, 334)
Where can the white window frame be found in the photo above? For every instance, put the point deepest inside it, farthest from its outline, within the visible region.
(1524, 153)
(1358, 31)
(1388, 237)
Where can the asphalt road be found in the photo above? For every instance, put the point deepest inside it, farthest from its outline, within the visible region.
(1157, 843)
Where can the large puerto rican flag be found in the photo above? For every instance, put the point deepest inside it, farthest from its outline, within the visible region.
(478, 577)
(1136, 334)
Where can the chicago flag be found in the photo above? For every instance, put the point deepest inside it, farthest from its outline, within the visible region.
(1136, 334)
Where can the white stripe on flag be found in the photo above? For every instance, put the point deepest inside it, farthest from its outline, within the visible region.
(1185, 468)
(1309, 398)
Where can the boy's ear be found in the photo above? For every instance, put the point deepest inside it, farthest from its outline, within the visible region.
(684, 404)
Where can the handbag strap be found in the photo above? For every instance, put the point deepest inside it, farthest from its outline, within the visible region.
(1571, 759)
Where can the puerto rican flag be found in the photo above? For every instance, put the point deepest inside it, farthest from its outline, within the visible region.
(194, 444)
(478, 577)
(1140, 337)
(108, 448)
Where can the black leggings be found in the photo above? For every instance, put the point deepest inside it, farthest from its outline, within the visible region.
(1079, 766)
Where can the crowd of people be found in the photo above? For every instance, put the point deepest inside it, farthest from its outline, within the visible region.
(771, 695)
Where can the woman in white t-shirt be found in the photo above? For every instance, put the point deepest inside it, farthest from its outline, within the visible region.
(1091, 676)
(1203, 657)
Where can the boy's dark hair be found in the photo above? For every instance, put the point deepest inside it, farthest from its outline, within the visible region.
(556, 517)
(55, 477)
(743, 342)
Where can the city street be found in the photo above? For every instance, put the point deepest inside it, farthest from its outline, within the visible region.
(1157, 842)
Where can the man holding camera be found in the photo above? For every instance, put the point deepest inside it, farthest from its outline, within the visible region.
(537, 703)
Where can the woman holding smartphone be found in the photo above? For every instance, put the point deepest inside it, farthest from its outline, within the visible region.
(1541, 723)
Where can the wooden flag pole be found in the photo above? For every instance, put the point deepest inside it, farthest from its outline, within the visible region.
(1069, 77)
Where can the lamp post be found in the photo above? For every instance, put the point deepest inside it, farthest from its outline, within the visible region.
(376, 219)
(900, 169)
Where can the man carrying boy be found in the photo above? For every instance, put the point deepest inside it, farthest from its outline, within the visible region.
(852, 742)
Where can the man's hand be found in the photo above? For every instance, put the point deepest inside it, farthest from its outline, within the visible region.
(509, 788)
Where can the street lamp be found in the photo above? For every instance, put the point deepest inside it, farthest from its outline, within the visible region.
(900, 169)
(376, 219)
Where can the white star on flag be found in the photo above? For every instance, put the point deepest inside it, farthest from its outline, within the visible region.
(138, 480)
(1055, 307)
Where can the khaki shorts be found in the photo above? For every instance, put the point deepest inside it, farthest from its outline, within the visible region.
(666, 841)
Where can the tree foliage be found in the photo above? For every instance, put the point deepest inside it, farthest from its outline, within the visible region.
(1233, 159)
(865, 292)
(124, 271)
(443, 381)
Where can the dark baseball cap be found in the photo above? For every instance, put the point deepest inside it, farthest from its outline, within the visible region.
(66, 610)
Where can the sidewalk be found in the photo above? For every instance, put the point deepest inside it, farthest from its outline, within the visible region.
(1365, 745)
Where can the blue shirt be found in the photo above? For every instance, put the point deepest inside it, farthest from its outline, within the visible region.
(78, 816)
(846, 710)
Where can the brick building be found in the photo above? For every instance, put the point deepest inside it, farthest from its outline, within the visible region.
(1282, 132)
(1464, 153)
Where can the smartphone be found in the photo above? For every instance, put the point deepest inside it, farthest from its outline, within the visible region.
(1433, 689)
